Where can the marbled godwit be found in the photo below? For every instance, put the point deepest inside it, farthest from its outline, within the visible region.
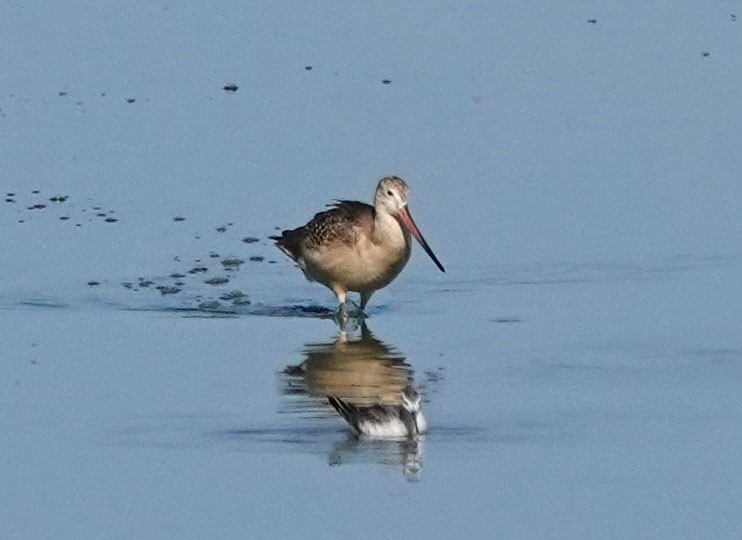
(355, 246)
(381, 421)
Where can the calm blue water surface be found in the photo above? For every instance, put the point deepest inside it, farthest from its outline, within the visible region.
(165, 367)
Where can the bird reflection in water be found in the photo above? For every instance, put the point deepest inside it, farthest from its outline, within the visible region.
(384, 421)
(369, 384)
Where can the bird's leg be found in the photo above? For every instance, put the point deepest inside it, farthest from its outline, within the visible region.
(345, 306)
(347, 310)
(344, 318)
(343, 311)
(346, 325)
(365, 297)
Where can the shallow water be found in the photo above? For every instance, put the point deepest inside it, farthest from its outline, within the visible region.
(167, 369)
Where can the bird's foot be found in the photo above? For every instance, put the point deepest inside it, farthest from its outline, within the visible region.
(349, 316)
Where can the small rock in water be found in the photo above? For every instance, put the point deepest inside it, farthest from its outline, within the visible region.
(178, 218)
(111, 220)
(250, 240)
(93, 283)
(176, 275)
(214, 255)
(257, 258)
(198, 270)
(231, 87)
(58, 198)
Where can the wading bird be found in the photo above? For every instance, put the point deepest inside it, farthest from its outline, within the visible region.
(355, 246)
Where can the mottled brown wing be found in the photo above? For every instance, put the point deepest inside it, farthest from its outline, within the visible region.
(340, 224)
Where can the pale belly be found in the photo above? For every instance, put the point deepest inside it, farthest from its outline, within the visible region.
(356, 269)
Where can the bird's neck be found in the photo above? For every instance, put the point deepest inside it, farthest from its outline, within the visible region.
(389, 230)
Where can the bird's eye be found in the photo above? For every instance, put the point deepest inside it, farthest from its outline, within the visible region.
(389, 192)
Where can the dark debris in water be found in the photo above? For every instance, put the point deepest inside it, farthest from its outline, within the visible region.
(231, 88)
(236, 297)
(167, 289)
(58, 200)
(211, 306)
(250, 240)
(232, 263)
(217, 281)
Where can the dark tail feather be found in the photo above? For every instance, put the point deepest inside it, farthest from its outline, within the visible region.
(338, 404)
(288, 242)
(345, 409)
